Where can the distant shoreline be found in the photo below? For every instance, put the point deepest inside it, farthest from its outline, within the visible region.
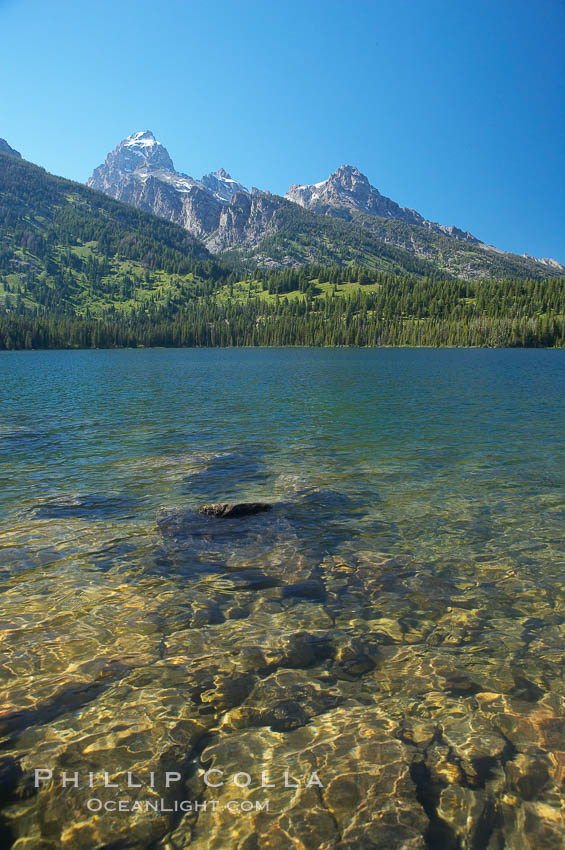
(293, 347)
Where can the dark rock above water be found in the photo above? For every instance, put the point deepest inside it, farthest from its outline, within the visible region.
(226, 509)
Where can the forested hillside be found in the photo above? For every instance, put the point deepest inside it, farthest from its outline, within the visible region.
(67, 248)
(78, 269)
(390, 311)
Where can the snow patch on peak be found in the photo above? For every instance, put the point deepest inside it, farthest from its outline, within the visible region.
(344, 171)
(144, 138)
(138, 151)
(222, 185)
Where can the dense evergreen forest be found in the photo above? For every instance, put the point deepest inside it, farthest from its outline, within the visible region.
(397, 311)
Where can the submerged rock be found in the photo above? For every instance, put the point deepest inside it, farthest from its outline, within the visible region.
(363, 796)
(10, 775)
(234, 470)
(258, 547)
(82, 506)
(354, 659)
(227, 509)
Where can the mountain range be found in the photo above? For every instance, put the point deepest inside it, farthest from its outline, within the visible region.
(81, 269)
(339, 220)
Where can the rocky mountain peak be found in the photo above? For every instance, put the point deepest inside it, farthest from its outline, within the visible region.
(348, 172)
(222, 211)
(348, 191)
(142, 137)
(348, 179)
(5, 148)
(346, 188)
(142, 150)
(138, 152)
(141, 172)
(222, 185)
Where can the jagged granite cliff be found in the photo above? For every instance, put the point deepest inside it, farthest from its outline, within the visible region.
(141, 172)
(222, 185)
(276, 231)
(347, 190)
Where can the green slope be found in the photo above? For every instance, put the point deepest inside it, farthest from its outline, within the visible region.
(383, 244)
(455, 257)
(300, 237)
(67, 248)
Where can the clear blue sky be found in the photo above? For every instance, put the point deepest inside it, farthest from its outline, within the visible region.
(453, 107)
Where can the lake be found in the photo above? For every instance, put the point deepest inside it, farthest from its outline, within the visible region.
(377, 661)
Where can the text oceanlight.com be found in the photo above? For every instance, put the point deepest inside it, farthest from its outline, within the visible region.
(95, 804)
(162, 790)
